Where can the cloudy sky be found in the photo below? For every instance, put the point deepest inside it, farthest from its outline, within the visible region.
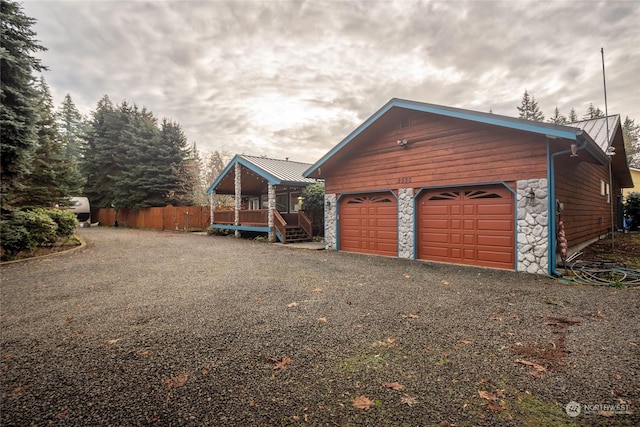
(293, 78)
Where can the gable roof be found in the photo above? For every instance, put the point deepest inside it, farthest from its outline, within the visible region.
(569, 132)
(597, 129)
(274, 171)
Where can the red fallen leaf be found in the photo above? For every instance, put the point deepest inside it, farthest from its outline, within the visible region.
(487, 395)
(393, 386)
(535, 366)
(145, 353)
(408, 400)
(536, 374)
(206, 369)
(17, 390)
(279, 364)
(391, 340)
(362, 402)
(494, 407)
(177, 380)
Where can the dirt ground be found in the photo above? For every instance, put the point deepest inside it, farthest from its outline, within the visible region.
(143, 328)
(625, 250)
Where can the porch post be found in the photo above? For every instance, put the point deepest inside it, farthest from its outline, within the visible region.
(212, 207)
(272, 206)
(238, 197)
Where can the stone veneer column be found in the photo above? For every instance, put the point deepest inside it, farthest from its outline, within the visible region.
(238, 197)
(533, 226)
(330, 217)
(271, 205)
(406, 220)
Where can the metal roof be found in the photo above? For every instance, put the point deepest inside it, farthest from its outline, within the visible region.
(597, 129)
(285, 171)
(273, 171)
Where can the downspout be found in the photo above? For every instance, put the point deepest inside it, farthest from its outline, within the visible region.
(551, 172)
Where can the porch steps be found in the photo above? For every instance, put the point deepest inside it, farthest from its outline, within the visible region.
(296, 235)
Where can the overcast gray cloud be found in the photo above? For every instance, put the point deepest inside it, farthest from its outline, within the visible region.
(291, 79)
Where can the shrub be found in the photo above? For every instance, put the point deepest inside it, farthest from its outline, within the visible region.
(42, 229)
(632, 209)
(65, 220)
(15, 238)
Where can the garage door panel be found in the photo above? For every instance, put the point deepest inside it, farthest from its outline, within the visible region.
(485, 215)
(369, 224)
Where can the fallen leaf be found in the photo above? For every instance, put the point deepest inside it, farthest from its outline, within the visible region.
(279, 364)
(177, 380)
(466, 341)
(316, 290)
(145, 353)
(393, 386)
(536, 374)
(112, 342)
(408, 400)
(605, 413)
(446, 282)
(293, 304)
(406, 276)
(17, 390)
(322, 319)
(206, 369)
(410, 316)
(533, 365)
(362, 402)
(494, 407)
(487, 395)
(391, 340)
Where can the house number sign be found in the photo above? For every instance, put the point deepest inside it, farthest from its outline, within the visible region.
(401, 180)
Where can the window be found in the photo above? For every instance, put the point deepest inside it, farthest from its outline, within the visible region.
(602, 193)
(608, 194)
(254, 203)
(295, 201)
(281, 203)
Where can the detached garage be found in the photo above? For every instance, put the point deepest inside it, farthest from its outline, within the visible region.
(442, 184)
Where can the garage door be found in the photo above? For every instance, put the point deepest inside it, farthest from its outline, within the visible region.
(467, 226)
(369, 224)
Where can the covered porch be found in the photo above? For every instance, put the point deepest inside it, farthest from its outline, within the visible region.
(267, 198)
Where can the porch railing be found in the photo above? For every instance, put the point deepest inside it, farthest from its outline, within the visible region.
(304, 222)
(280, 225)
(247, 217)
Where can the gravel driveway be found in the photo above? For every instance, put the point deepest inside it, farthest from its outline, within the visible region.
(149, 328)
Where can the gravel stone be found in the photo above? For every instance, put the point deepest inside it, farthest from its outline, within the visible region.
(158, 328)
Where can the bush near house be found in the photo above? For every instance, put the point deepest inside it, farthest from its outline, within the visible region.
(26, 230)
(632, 209)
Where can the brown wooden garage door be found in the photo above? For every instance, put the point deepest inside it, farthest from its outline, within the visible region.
(369, 224)
(467, 226)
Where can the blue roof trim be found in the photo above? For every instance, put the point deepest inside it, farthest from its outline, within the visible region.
(486, 118)
(246, 163)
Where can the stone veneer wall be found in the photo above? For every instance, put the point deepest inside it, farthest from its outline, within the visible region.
(405, 223)
(330, 221)
(533, 226)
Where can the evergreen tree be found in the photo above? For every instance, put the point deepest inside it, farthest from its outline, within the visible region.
(99, 165)
(573, 117)
(631, 135)
(18, 115)
(71, 127)
(53, 177)
(215, 164)
(183, 164)
(558, 118)
(593, 112)
(529, 109)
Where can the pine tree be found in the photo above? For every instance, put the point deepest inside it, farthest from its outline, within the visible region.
(99, 165)
(593, 112)
(53, 177)
(17, 97)
(183, 164)
(631, 136)
(573, 117)
(71, 127)
(529, 109)
(557, 118)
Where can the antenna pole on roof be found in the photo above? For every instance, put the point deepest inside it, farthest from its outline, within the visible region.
(609, 152)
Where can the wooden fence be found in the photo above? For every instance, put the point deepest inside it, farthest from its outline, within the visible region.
(166, 218)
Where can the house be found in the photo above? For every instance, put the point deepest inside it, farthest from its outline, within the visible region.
(635, 175)
(267, 198)
(443, 184)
